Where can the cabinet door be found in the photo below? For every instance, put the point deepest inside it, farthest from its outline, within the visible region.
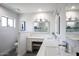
(29, 44)
(51, 51)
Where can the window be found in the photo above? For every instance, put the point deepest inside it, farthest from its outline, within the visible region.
(3, 21)
(10, 22)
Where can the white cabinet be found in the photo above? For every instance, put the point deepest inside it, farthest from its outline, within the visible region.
(29, 44)
(51, 51)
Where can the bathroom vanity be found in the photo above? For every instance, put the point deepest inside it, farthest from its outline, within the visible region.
(51, 47)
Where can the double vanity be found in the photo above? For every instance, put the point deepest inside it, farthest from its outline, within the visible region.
(49, 47)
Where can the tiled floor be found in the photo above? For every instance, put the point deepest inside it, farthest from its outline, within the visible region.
(13, 53)
(30, 54)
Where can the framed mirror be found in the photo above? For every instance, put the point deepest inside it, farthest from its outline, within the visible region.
(41, 25)
(72, 25)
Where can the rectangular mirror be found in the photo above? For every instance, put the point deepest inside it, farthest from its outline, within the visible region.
(72, 26)
(72, 21)
(41, 26)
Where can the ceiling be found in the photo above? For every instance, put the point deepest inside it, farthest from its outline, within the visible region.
(34, 7)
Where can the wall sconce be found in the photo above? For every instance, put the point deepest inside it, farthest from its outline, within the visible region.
(23, 26)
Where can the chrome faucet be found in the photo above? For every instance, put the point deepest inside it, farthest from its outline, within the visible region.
(54, 35)
(66, 45)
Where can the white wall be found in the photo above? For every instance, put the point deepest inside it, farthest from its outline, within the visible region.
(8, 35)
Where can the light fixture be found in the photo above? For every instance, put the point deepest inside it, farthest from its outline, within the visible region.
(71, 24)
(73, 7)
(35, 24)
(67, 19)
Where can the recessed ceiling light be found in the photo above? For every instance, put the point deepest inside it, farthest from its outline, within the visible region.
(39, 10)
(73, 7)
